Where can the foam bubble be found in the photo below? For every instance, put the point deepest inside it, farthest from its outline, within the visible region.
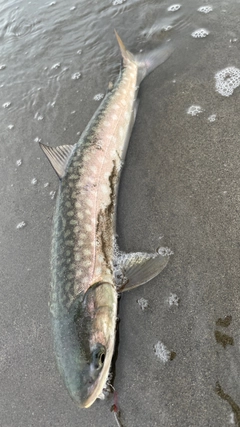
(117, 2)
(173, 299)
(56, 66)
(76, 75)
(21, 224)
(143, 303)
(19, 162)
(227, 80)
(167, 28)
(52, 194)
(98, 97)
(199, 34)
(165, 251)
(212, 118)
(174, 7)
(205, 9)
(162, 352)
(6, 104)
(37, 139)
(38, 116)
(194, 110)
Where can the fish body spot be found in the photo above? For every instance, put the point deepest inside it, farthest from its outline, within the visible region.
(68, 286)
(104, 189)
(98, 271)
(93, 169)
(88, 227)
(79, 273)
(121, 131)
(106, 174)
(69, 243)
(87, 263)
(100, 258)
(89, 202)
(112, 154)
(73, 222)
(86, 252)
(80, 215)
(114, 139)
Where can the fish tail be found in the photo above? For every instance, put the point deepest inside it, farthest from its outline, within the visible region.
(146, 62)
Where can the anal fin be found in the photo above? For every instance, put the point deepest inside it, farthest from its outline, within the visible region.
(135, 269)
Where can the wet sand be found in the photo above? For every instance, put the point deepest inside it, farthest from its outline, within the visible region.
(180, 181)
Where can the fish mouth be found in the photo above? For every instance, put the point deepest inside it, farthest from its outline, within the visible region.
(93, 392)
(93, 388)
(86, 391)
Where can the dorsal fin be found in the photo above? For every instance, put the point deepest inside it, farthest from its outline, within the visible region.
(58, 157)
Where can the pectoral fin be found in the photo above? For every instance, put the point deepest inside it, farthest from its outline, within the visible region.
(135, 269)
(58, 156)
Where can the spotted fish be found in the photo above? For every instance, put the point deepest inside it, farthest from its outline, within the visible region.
(88, 270)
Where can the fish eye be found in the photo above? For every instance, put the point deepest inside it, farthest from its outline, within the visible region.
(102, 358)
(98, 356)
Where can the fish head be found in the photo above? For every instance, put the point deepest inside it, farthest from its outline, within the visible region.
(85, 344)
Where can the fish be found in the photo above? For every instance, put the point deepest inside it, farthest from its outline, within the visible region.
(88, 269)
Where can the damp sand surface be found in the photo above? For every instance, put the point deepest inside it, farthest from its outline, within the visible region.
(180, 188)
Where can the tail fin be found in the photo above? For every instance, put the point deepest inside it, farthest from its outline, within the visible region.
(146, 62)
